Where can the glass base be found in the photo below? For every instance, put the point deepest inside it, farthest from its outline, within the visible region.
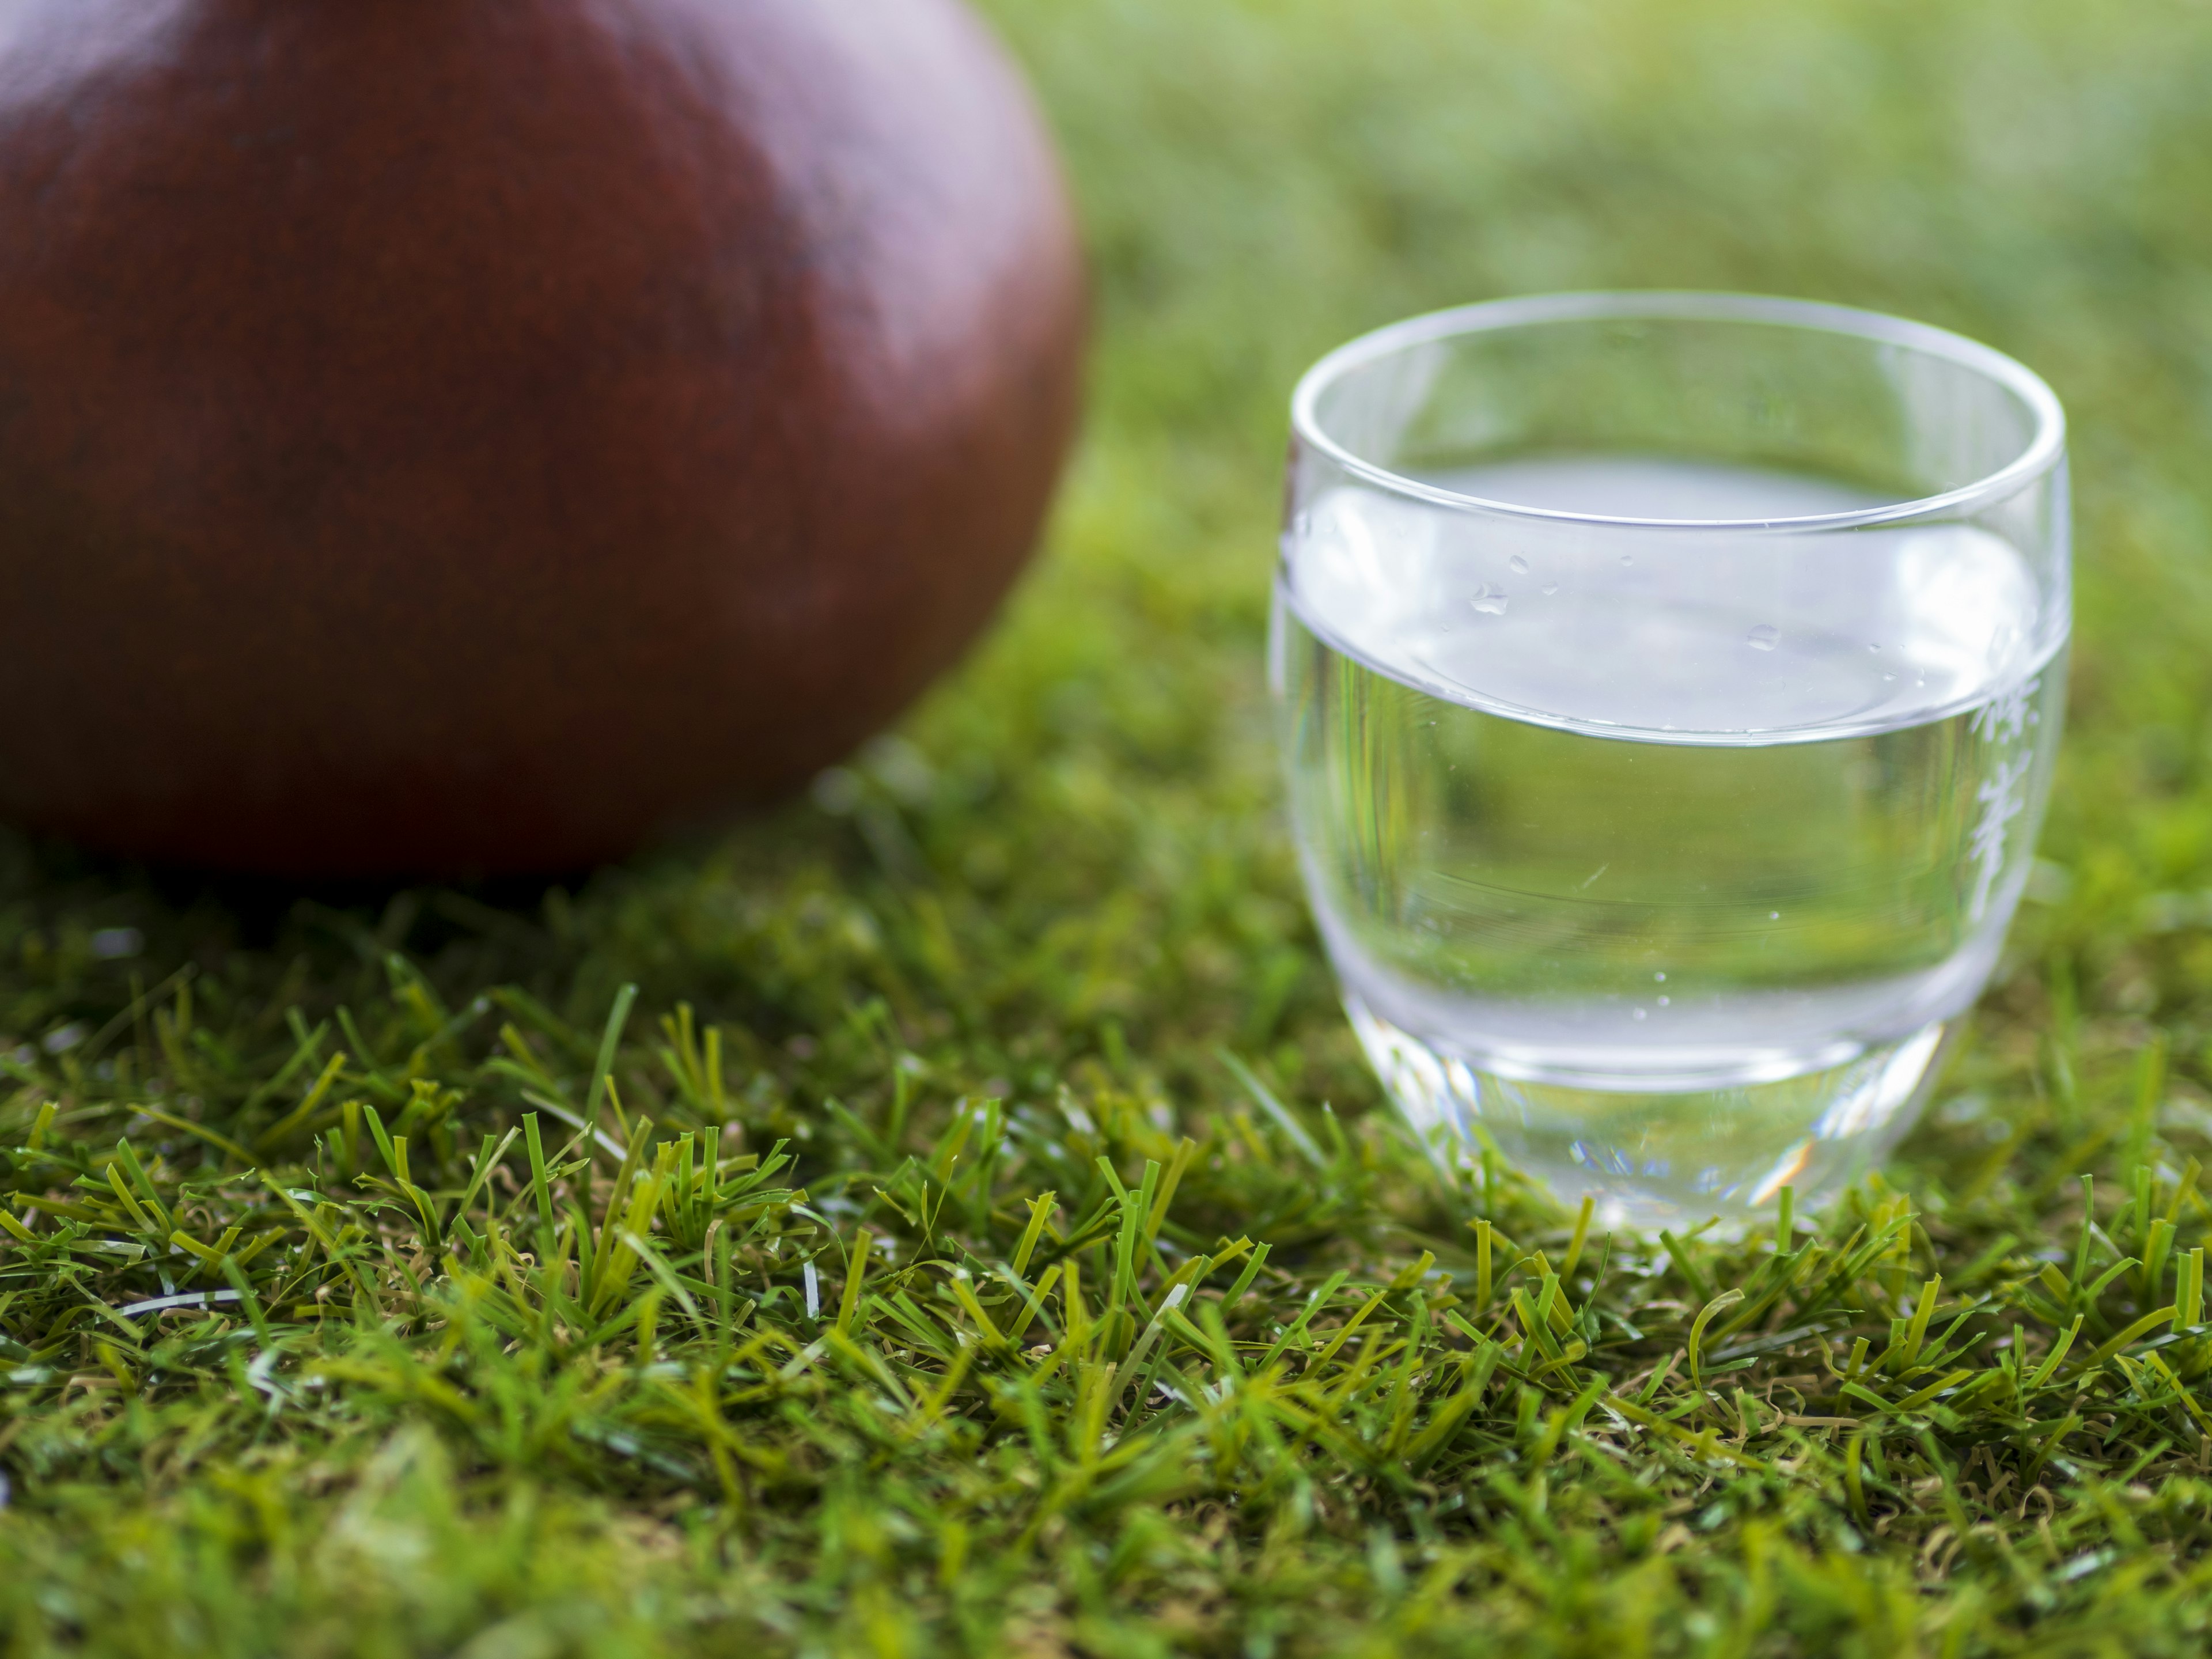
(1668, 1158)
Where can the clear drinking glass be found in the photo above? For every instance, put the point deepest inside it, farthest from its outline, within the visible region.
(1669, 685)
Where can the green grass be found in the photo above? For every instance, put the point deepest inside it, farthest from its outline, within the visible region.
(927, 1281)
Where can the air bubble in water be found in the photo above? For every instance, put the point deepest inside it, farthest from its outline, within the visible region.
(1764, 637)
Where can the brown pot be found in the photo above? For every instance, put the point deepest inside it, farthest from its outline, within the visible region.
(444, 435)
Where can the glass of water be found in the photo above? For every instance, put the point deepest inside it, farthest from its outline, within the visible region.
(1669, 685)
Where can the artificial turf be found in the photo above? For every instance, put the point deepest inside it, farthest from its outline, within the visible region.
(986, 1239)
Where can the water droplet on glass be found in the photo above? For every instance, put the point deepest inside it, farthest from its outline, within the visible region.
(1625, 559)
(1774, 916)
(1661, 978)
(1889, 676)
(1764, 637)
(1552, 589)
(1489, 600)
(1518, 565)
(1874, 649)
(1662, 1002)
(1639, 1013)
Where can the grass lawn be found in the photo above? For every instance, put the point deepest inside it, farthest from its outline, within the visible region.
(988, 1239)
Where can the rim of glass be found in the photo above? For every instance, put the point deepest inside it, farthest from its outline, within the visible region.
(2044, 447)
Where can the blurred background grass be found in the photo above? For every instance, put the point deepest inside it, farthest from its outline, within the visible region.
(1066, 873)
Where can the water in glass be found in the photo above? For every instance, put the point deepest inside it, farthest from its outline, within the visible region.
(1674, 886)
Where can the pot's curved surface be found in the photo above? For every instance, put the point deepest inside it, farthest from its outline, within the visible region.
(482, 434)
